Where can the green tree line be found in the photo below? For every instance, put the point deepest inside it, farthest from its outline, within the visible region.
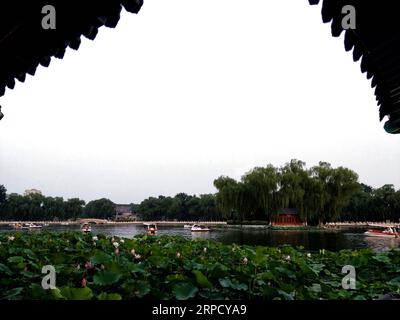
(320, 194)
(369, 204)
(38, 207)
(182, 207)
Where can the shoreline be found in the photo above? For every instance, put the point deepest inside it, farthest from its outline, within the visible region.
(105, 222)
(224, 224)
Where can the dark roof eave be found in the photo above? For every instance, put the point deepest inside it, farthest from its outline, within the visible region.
(24, 45)
(376, 41)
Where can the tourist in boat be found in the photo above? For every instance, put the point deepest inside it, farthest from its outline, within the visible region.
(151, 228)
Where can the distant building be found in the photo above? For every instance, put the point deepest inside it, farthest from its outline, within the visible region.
(287, 217)
(30, 192)
(123, 208)
(123, 212)
(126, 217)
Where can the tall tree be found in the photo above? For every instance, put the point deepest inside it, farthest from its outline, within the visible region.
(101, 208)
(262, 185)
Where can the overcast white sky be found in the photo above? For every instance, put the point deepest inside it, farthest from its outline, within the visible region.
(188, 90)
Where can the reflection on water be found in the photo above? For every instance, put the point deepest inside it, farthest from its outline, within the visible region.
(309, 239)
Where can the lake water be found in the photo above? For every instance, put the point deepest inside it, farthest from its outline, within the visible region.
(310, 239)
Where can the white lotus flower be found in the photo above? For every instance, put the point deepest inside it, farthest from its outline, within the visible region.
(288, 258)
(133, 252)
(245, 260)
(308, 255)
(95, 238)
(178, 255)
(116, 244)
(11, 238)
(205, 250)
(137, 256)
(122, 241)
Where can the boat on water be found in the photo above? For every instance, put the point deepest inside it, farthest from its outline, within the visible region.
(31, 226)
(151, 228)
(16, 226)
(383, 231)
(199, 228)
(64, 223)
(187, 226)
(86, 228)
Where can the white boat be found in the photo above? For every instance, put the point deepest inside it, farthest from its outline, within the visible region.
(383, 232)
(151, 228)
(187, 226)
(86, 228)
(31, 226)
(199, 228)
(64, 223)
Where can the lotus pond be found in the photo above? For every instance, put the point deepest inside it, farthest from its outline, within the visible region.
(172, 267)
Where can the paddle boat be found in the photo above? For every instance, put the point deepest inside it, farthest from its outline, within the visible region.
(86, 228)
(16, 225)
(151, 228)
(383, 231)
(199, 228)
(31, 226)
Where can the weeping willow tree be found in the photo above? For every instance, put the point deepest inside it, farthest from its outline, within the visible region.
(263, 186)
(331, 190)
(293, 183)
(226, 196)
(319, 193)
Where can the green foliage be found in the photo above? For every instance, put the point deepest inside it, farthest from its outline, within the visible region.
(3, 194)
(180, 207)
(319, 193)
(38, 207)
(369, 204)
(101, 208)
(165, 267)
